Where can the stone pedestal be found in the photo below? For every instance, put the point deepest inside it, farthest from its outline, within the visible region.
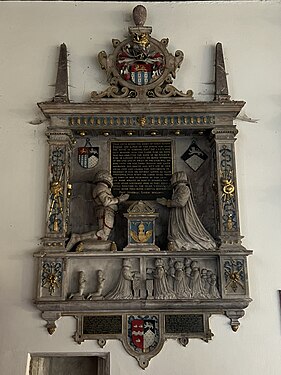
(141, 227)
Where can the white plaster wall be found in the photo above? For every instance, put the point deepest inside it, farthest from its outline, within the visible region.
(30, 34)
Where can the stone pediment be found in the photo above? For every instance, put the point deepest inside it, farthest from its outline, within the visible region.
(140, 208)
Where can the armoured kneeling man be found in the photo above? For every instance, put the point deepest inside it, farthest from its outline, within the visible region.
(105, 203)
(105, 207)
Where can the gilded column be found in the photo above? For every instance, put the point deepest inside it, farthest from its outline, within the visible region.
(227, 212)
(59, 188)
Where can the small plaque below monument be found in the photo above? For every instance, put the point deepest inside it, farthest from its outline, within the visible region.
(102, 324)
(187, 323)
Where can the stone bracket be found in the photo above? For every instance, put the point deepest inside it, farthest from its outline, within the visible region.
(51, 317)
(234, 316)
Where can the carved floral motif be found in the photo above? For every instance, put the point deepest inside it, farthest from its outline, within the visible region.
(51, 275)
(234, 274)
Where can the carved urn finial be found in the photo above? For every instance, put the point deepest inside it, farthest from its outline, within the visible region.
(139, 15)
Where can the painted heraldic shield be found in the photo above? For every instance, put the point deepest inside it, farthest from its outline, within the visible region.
(143, 333)
(194, 157)
(141, 73)
(88, 156)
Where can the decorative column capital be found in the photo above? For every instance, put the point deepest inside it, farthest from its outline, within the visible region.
(224, 134)
(60, 136)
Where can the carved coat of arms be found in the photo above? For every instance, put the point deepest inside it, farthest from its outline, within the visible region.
(194, 157)
(143, 333)
(140, 63)
(88, 156)
(140, 66)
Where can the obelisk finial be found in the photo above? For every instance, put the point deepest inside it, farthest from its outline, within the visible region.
(61, 89)
(221, 88)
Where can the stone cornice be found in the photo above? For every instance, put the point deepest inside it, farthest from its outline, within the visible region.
(119, 106)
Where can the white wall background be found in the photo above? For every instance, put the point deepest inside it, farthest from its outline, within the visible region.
(30, 34)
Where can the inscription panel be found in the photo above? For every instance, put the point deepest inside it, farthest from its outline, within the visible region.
(187, 323)
(101, 325)
(142, 169)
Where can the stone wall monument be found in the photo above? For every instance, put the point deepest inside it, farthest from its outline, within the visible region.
(142, 240)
